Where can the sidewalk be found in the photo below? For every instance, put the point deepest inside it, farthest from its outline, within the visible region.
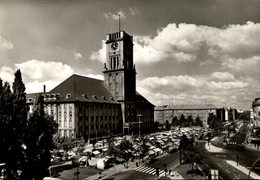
(113, 170)
(243, 169)
(131, 165)
(212, 148)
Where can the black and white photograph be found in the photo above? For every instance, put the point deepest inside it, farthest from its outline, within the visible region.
(129, 89)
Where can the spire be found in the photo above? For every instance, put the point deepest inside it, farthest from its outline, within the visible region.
(119, 25)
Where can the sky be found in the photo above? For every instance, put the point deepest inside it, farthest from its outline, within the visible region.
(185, 51)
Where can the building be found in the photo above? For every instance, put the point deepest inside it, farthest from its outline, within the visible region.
(256, 112)
(90, 108)
(120, 79)
(167, 113)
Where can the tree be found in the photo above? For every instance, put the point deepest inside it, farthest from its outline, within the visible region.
(245, 116)
(38, 142)
(167, 125)
(112, 150)
(124, 148)
(198, 121)
(6, 133)
(19, 118)
(215, 123)
(144, 147)
(13, 118)
(175, 121)
(189, 120)
(156, 126)
(183, 145)
(183, 121)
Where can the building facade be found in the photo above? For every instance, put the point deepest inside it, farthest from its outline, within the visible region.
(256, 112)
(167, 113)
(87, 107)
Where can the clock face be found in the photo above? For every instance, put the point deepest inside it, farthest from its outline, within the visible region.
(114, 46)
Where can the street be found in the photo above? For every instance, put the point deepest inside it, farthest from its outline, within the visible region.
(245, 157)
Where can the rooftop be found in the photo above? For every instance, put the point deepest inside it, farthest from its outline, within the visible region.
(79, 88)
(187, 106)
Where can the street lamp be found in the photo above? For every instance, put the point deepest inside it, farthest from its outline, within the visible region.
(252, 167)
(139, 122)
(139, 118)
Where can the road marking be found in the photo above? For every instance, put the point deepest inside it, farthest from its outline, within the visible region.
(147, 170)
(236, 177)
(220, 155)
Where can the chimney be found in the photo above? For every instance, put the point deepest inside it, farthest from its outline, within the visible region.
(44, 88)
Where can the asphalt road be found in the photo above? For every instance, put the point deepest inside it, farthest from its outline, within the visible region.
(84, 172)
(246, 156)
(171, 161)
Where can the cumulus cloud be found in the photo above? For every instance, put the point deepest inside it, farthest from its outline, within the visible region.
(186, 43)
(100, 55)
(44, 70)
(222, 76)
(77, 55)
(36, 73)
(250, 65)
(115, 16)
(216, 88)
(5, 44)
(96, 76)
(133, 11)
(7, 74)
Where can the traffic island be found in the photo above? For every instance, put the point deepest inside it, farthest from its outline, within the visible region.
(186, 172)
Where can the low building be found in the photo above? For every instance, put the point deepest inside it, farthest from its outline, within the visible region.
(168, 112)
(82, 106)
(256, 112)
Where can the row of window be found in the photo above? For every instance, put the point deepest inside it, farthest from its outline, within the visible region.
(114, 62)
(100, 109)
(66, 133)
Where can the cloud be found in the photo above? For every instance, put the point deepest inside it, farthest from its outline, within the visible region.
(250, 65)
(219, 88)
(100, 55)
(5, 44)
(222, 76)
(36, 73)
(185, 43)
(133, 11)
(96, 76)
(77, 55)
(7, 74)
(115, 16)
(44, 70)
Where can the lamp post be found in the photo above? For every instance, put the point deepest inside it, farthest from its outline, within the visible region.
(248, 177)
(139, 122)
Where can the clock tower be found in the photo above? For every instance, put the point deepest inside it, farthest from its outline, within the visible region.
(120, 73)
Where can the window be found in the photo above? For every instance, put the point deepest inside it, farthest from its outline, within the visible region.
(117, 78)
(114, 62)
(117, 62)
(70, 123)
(59, 115)
(65, 117)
